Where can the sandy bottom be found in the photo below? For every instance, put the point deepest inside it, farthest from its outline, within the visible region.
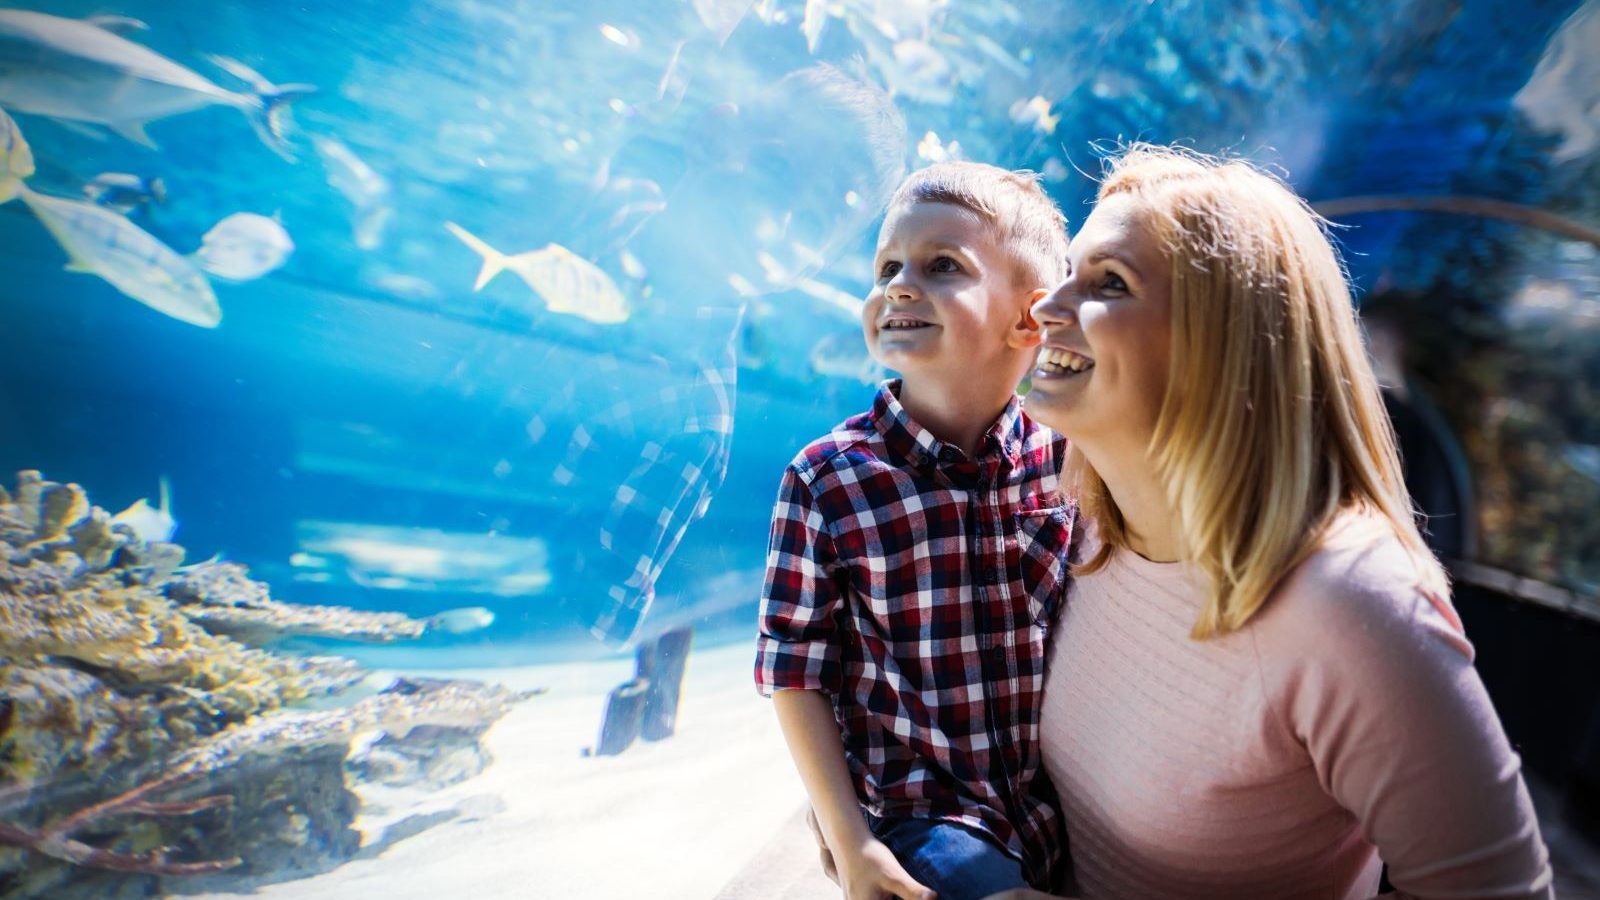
(678, 818)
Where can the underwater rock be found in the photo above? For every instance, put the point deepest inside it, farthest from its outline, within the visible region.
(128, 688)
(222, 599)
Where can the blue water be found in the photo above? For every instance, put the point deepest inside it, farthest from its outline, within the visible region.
(365, 429)
(364, 392)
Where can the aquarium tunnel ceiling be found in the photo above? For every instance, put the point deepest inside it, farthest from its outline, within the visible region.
(537, 226)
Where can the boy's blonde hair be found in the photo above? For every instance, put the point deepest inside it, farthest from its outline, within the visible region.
(1272, 424)
(1028, 224)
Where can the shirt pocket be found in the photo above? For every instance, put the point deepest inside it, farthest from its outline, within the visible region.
(1042, 538)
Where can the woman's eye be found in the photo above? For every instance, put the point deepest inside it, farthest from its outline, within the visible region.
(1113, 282)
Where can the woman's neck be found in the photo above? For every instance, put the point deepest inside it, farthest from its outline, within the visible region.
(959, 414)
(1148, 518)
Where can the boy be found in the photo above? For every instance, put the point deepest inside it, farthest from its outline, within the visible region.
(916, 555)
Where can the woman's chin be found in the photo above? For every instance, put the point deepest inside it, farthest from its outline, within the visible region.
(1056, 400)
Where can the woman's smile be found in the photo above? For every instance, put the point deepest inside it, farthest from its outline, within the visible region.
(1059, 362)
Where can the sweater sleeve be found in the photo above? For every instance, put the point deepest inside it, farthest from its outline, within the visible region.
(1378, 685)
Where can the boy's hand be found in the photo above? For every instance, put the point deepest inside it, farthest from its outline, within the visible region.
(870, 872)
(828, 868)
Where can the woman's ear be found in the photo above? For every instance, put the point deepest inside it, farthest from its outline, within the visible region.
(1026, 332)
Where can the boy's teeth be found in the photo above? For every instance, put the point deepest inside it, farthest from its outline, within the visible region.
(1056, 360)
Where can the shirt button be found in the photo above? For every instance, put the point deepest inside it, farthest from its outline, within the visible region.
(998, 653)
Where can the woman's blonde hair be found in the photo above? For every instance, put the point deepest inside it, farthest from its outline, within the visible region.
(1272, 423)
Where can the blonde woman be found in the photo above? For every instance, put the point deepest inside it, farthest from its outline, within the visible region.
(1258, 687)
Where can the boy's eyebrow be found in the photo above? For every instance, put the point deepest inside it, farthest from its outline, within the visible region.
(937, 246)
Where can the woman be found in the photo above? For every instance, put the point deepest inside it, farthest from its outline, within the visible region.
(1258, 686)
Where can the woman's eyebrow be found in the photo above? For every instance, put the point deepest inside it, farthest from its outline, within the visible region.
(1100, 256)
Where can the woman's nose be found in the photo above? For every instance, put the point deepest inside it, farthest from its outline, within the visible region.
(1057, 308)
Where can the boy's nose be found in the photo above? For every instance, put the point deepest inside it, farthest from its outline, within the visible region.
(900, 289)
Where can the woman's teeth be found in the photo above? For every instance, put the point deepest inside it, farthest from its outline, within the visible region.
(1055, 361)
(903, 323)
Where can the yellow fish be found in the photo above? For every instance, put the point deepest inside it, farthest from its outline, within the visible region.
(16, 158)
(566, 282)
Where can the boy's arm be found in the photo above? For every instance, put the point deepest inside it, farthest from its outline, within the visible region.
(867, 869)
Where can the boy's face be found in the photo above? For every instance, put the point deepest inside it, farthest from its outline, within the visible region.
(947, 301)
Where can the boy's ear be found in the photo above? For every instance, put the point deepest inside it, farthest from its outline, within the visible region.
(1026, 332)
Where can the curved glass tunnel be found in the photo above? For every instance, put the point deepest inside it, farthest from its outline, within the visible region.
(406, 439)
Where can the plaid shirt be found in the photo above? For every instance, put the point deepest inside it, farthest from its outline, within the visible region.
(914, 586)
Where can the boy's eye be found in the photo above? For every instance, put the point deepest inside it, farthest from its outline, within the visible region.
(889, 269)
(945, 264)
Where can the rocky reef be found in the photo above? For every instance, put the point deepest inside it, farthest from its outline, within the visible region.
(149, 731)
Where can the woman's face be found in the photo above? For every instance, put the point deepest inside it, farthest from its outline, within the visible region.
(1102, 370)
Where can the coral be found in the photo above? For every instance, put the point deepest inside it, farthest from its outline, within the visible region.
(55, 840)
(123, 677)
(223, 600)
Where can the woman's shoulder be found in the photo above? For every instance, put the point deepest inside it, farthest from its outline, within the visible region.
(1360, 591)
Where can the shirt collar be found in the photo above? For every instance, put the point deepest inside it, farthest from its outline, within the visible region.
(917, 445)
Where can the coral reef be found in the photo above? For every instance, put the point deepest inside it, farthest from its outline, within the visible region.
(124, 678)
(222, 599)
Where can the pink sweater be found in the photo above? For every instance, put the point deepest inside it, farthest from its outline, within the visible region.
(1343, 723)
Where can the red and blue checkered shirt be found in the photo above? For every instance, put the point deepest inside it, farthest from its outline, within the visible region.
(914, 586)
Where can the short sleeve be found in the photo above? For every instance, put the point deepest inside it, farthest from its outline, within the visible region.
(796, 648)
(1383, 694)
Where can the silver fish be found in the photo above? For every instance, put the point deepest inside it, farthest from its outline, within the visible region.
(80, 71)
(244, 247)
(123, 192)
(101, 242)
(16, 158)
(151, 524)
(462, 620)
(566, 282)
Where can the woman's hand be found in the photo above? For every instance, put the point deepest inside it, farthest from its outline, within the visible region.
(870, 871)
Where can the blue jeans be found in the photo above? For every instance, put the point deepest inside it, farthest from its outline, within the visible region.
(957, 862)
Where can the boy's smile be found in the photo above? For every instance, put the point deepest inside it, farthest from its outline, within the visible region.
(944, 303)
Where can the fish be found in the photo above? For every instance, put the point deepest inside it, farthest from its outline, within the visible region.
(102, 242)
(244, 247)
(1562, 97)
(150, 524)
(932, 149)
(80, 70)
(566, 282)
(357, 182)
(123, 192)
(99, 241)
(16, 158)
(1035, 112)
(461, 621)
(845, 356)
